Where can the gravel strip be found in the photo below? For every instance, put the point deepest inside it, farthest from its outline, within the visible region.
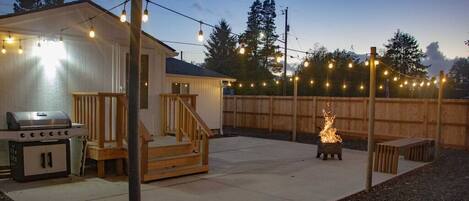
(445, 179)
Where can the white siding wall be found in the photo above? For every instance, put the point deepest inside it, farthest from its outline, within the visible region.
(208, 99)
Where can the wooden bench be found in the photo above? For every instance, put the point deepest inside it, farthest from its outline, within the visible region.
(386, 156)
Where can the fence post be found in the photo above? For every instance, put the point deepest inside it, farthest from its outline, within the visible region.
(425, 117)
(234, 112)
(271, 105)
(295, 108)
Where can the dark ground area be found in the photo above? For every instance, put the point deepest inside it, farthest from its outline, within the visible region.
(3, 197)
(445, 179)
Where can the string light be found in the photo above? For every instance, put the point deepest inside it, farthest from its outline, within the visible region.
(386, 72)
(277, 82)
(380, 86)
(92, 34)
(252, 85)
(435, 81)
(350, 65)
(327, 84)
(422, 83)
(311, 82)
(200, 35)
(414, 84)
(367, 63)
(395, 78)
(123, 16)
(376, 62)
(9, 39)
(145, 13)
(278, 59)
(290, 79)
(401, 85)
(297, 78)
(240, 85)
(344, 86)
(405, 82)
(4, 51)
(20, 48)
(264, 84)
(443, 80)
(362, 87)
(242, 50)
(428, 84)
(306, 63)
(330, 65)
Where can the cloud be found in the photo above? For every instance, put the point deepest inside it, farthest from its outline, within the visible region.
(436, 59)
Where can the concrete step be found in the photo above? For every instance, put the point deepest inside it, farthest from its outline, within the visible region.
(174, 172)
(174, 161)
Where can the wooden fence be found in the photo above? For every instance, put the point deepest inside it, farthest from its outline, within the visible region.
(394, 118)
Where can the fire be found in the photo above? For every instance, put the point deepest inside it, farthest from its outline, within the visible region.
(328, 133)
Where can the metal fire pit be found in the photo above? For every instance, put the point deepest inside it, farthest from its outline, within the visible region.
(329, 149)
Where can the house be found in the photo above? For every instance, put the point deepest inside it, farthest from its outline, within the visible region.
(187, 78)
(62, 68)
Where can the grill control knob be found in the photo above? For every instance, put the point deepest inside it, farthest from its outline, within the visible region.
(66, 132)
(32, 134)
(50, 134)
(41, 134)
(22, 135)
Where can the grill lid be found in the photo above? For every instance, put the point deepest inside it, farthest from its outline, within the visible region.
(38, 120)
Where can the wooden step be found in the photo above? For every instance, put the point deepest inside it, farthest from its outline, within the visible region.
(169, 150)
(4, 172)
(174, 172)
(174, 161)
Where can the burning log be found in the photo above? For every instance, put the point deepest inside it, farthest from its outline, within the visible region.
(330, 143)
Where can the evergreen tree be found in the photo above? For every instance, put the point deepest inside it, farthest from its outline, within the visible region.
(403, 54)
(268, 50)
(27, 5)
(221, 55)
(459, 75)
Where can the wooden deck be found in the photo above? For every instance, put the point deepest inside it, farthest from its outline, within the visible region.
(162, 156)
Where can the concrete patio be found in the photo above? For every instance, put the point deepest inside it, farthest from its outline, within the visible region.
(241, 168)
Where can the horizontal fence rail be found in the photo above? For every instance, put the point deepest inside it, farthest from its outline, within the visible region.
(394, 117)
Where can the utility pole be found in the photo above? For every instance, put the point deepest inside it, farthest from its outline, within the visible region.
(133, 96)
(371, 119)
(287, 28)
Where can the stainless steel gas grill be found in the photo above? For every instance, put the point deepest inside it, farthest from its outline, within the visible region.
(39, 144)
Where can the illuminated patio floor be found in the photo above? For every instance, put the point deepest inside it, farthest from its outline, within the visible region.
(241, 168)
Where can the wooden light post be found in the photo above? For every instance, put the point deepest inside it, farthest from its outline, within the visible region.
(438, 114)
(133, 95)
(371, 119)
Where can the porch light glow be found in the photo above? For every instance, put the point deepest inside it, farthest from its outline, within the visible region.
(4, 51)
(386, 72)
(10, 39)
(20, 48)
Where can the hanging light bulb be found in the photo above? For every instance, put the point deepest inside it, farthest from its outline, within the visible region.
(306, 63)
(291, 79)
(327, 84)
(4, 51)
(344, 86)
(422, 83)
(240, 85)
(367, 63)
(20, 48)
(145, 13)
(264, 84)
(380, 87)
(405, 82)
(428, 84)
(362, 87)
(252, 85)
(330, 65)
(123, 16)
(311, 81)
(386, 72)
(92, 34)
(414, 84)
(278, 59)
(242, 50)
(9, 39)
(350, 65)
(376, 62)
(435, 81)
(444, 79)
(401, 85)
(395, 78)
(200, 35)
(277, 82)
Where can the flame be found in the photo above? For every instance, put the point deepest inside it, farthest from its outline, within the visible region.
(328, 133)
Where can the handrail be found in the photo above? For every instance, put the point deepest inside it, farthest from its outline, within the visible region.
(195, 115)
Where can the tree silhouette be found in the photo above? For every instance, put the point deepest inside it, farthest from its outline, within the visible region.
(27, 5)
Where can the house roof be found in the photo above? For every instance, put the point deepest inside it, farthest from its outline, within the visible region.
(89, 2)
(176, 66)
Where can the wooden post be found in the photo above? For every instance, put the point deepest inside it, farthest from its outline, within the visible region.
(295, 107)
(101, 120)
(371, 119)
(271, 110)
(425, 118)
(134, 96)
(315, 106)
(234, 111)
(438, 115)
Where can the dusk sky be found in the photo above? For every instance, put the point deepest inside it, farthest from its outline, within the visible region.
(333, 24)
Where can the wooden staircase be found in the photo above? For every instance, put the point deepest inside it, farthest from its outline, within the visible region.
(161, 156)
